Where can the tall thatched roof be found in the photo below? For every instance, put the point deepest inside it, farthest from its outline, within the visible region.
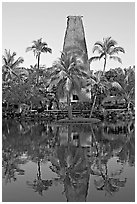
(74, 41)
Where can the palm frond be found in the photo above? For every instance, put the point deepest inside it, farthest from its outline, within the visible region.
(29, 49)
(44, 44)
(13, 55)
(111, 43)
(11, 71)
(97, 48)
(116, 50)
(46, 49)
(94, 59)
(4, 60)
(91, 82)
(99, 43)
(68, 84)
(116, 85)
(7, 55)
(75, 85)
(81, 73)
(17, 62)
(116, 58)
(36, 42)
(54, 81)
(55, 72)
(101, 55)
(106, 39)
(61, 92)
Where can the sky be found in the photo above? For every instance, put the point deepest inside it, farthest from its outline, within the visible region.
(23, 22)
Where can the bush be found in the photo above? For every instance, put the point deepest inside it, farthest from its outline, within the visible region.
(81, 105)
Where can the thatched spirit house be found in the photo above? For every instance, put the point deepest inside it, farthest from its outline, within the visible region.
(75, 44)
(74, 41)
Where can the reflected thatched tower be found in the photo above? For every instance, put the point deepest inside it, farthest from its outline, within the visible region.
(74, 42)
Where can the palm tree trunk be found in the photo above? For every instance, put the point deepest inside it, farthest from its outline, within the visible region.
(57, 101)
(128, 106)
(105, 60)
(93, 106)
(39, 171)
(94, 139)
(38, 69)
(69, 133)
(69, 107)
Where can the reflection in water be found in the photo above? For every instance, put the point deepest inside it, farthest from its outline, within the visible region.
(71, 166)
(11, 161)
(75, 154)
(40, 185)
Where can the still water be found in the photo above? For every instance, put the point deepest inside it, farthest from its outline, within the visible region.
(59, 163)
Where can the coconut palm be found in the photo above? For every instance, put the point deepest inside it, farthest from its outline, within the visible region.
(68, 76)
(106, 49)
(39, 47)
(106, 180)
(109, 184)
(39, 184)
(96, 83)
(10, 64)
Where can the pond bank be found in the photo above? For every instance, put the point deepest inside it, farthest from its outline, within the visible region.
(57, 115)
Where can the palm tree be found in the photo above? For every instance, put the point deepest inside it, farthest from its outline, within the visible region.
(106, 49)
(39, 184)
(67, 74)
(39, 47)
(10, 64)
(106, 180)
(96, 83)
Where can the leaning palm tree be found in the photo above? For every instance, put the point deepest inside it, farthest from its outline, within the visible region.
(67, 74)
(39, 47)
(106, 49)
(10, 64)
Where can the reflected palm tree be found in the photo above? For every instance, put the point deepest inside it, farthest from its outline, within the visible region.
(39, 155)
(39, 185)
(42, 148)
(105, 182)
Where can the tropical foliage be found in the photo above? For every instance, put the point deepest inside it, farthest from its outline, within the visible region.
(42, 87)
(10, 65)
(124, 84)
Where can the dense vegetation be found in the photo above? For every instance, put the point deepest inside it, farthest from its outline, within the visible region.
(40, 88)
